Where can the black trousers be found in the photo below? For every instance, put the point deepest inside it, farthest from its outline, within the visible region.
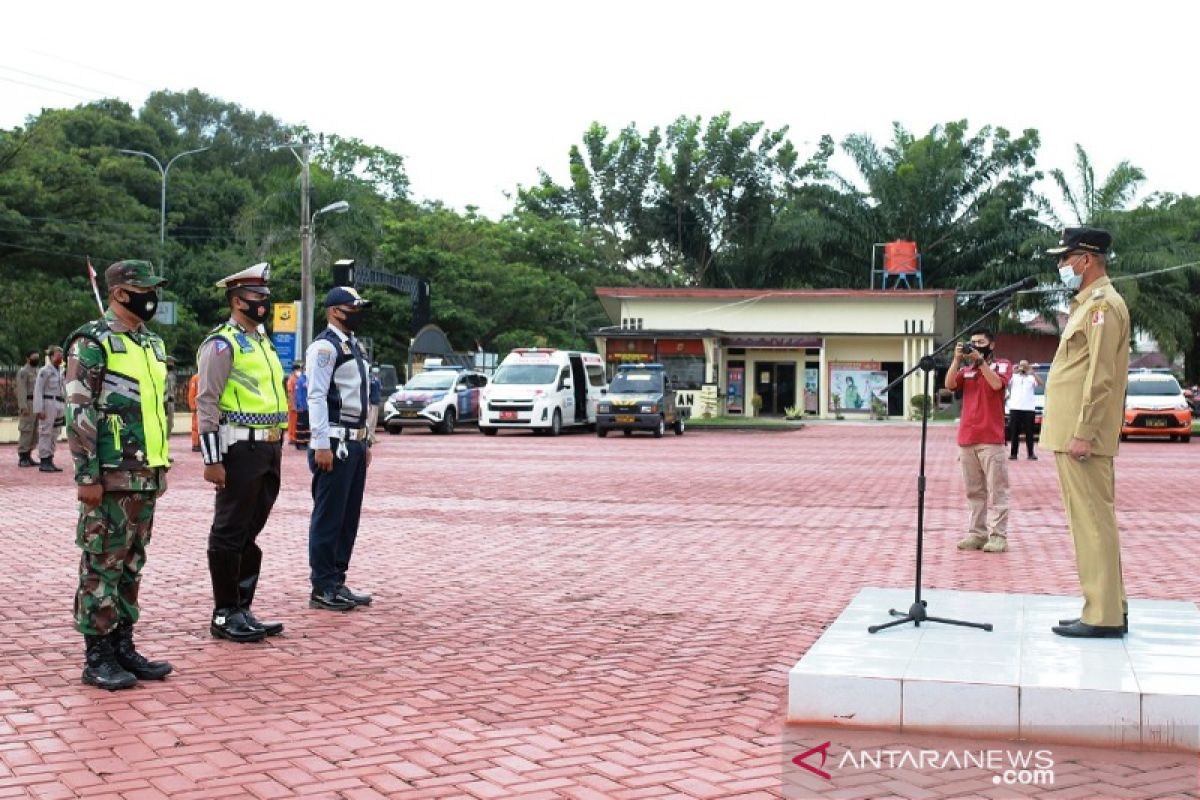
(1020, 422)
(337, 504)
(251, 485)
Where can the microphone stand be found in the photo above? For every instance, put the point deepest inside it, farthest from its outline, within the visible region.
(917, 613)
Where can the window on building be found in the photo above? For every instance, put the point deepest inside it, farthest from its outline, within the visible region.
(685, 372)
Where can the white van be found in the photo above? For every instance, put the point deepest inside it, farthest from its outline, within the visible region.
(543, 389)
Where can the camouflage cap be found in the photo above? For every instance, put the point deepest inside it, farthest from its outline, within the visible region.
(133, 273)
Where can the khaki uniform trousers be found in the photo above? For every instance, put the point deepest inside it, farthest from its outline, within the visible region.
(985, 476)
(1089, 498)
(27, 426)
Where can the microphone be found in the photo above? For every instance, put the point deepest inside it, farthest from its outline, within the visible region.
(1009, 291)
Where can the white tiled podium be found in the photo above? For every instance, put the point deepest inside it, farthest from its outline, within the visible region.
(1019, 680)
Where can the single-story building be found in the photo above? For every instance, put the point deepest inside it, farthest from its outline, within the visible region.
(780, 352)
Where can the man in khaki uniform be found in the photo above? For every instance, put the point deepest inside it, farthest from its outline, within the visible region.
(1085, 407)
(26, 419)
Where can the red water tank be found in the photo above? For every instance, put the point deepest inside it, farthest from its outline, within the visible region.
(900, 257)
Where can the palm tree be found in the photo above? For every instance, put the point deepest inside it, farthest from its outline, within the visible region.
(1092, 204)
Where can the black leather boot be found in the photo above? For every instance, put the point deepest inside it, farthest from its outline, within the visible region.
(23, 460)
(47, 465)
(228, 620)
(131, 660)
(248, 571)
(102, 668)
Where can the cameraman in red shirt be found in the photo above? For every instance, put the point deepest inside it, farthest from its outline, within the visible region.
(983, 379)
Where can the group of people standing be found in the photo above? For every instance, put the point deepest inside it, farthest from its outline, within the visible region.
(1085, 404)
(40, 409)
(118, 433)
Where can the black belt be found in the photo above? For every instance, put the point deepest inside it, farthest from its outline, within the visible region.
(51, 397)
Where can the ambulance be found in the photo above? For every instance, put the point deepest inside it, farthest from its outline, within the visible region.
(543, 389)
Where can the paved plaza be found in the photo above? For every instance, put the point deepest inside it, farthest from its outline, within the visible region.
(565, 617)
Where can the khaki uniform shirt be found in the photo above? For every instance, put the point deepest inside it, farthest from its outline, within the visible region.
(26, 378)
(1085, 388)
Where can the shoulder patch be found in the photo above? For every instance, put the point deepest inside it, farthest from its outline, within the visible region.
(1098, 314)
(323, 358)
(220, 344)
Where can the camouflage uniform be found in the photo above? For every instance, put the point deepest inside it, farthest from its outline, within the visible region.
(107, 441)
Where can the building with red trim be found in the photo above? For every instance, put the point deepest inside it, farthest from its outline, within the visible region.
(821, 352)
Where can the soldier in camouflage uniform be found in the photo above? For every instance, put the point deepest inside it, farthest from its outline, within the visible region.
(116, 431)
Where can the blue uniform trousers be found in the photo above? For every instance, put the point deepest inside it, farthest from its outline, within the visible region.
(337, 503)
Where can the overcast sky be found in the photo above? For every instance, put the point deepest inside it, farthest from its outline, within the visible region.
(478, 95)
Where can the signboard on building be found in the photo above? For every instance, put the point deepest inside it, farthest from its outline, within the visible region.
(852, 384)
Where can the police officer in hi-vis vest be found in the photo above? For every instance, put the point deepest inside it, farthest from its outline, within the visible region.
(242, 412)
(117, 434)
(338, 449)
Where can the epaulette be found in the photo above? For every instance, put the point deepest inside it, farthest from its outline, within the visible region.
(96, 330)
(1098, 293)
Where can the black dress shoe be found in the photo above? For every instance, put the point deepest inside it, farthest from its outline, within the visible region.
(268, 628)
(1032, 457)
(329, 600)
(347, 594)
(46, 465)
(1073, 620)
(1081, 630)
(231, 624)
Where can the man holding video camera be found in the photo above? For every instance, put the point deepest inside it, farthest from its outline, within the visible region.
(983, 379)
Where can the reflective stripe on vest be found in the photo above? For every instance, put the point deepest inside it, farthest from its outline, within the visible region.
(253, 396)
(148, 367)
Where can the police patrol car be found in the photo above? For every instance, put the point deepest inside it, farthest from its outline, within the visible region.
(640, 398)
(440, 398)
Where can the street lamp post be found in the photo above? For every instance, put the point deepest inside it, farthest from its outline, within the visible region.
(162, 208)
(308, 290)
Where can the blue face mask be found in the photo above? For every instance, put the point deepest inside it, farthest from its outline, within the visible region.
(1067, 275)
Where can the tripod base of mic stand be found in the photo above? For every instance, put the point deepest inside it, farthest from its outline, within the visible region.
(916, 615)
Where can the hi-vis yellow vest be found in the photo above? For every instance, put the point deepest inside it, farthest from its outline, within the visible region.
(133, 430)
(254, 395)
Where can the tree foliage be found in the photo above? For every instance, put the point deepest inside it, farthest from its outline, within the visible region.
(695, 202)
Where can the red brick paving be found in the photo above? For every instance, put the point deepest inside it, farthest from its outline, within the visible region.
(559, 618)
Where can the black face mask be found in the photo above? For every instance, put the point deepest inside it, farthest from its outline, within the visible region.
(259, 308)
(352, 320)
(33, 362)
(984, 352)
(143, 305)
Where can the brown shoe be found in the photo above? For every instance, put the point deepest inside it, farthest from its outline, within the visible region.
(972, 542)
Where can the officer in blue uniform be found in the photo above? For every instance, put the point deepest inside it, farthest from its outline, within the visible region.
(338, 450)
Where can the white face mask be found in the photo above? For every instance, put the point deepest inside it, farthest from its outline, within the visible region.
(1066, 274)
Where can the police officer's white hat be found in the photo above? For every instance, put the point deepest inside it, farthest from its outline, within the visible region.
(256, 277)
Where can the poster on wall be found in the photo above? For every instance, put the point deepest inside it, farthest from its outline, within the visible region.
(853, 384)
(735, 383)
(811, 389)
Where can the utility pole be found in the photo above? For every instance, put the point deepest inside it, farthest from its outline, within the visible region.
(306, 277)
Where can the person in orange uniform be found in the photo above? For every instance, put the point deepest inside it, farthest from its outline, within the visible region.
(293, 376)
(193, 387)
